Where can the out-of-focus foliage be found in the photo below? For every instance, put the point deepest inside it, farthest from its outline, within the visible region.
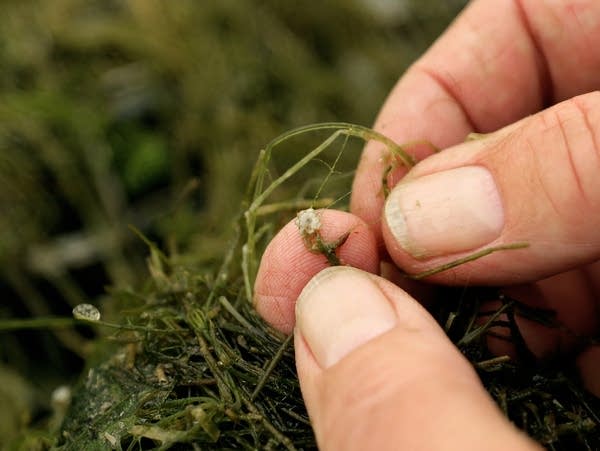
(151, 113)
(104, 100)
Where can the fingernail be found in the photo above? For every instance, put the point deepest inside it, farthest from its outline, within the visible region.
(340, 309)
(445, 212)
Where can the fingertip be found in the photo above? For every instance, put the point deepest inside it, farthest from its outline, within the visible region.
(287, 265)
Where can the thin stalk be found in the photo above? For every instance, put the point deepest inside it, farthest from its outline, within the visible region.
(294, 205)
(271, 366)
(7, 325)
(65, 322)
(232, 310)
(277, 434)
(250, 214)
(467, 259)
(257, 177)
(469, 337)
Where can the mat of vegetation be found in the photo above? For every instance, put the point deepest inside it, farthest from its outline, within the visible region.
(132, 179)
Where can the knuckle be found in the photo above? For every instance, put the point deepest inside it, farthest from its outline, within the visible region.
(568, 153)
(582, 145)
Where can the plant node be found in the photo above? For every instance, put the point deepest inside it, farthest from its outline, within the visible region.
(309, 226)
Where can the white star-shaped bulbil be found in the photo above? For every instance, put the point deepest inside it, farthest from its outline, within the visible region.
(308, 222)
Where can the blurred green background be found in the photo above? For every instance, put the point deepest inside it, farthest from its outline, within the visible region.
(151, 113)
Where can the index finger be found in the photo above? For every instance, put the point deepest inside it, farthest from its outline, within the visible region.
(500, 61)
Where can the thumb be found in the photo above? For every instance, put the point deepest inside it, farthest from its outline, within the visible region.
(377, 372)
(535, 181)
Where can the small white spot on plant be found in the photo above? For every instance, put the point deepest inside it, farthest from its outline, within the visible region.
(61, 398)
(308, 222)
(86, 312)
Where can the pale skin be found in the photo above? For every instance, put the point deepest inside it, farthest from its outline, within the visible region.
(526, 71)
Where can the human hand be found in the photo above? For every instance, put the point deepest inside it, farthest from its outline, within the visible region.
(533, 180)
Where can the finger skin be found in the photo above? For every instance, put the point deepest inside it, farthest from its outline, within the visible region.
(499, 62)
(546, 172)
(406, 389)
(287, 265)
